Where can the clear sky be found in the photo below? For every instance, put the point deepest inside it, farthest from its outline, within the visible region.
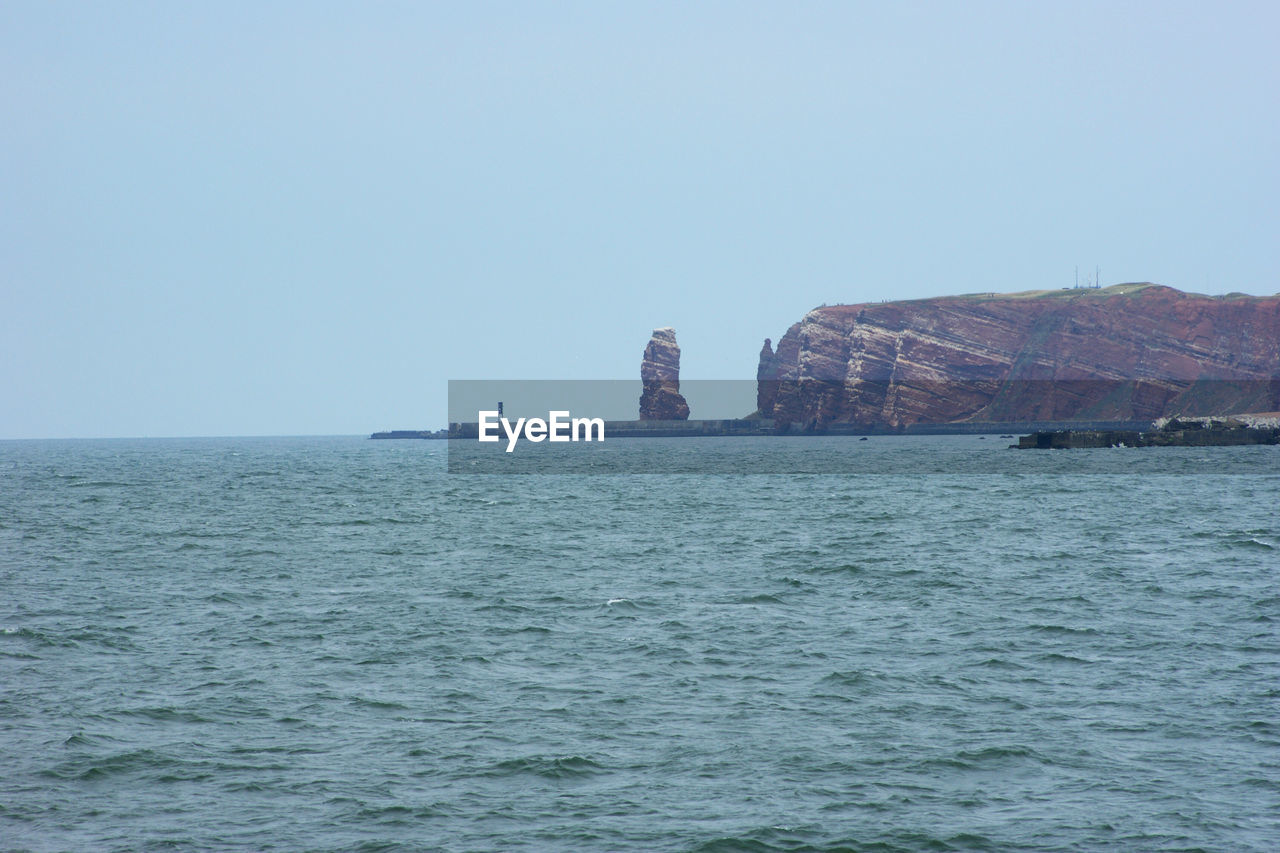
(303, 218)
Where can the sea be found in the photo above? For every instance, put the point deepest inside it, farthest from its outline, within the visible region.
(338, 644)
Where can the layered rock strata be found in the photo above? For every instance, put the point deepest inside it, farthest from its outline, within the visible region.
(661, 399)
(1127, 352)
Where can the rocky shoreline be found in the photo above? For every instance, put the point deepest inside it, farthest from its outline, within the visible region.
(711, 428)
(1076, 368)
(1221, 431)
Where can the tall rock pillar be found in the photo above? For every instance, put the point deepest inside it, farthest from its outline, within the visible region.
(660, 373)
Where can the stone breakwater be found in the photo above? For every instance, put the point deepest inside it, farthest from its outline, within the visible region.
(1165, 432)
(661, 399)
(1127, 352)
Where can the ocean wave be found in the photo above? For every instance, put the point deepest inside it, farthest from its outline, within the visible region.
(549, 767)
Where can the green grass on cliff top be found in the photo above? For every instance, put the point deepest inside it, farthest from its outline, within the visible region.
(1125, 289)
(1068, 292)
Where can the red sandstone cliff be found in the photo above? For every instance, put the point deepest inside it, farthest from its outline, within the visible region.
(661, 399)
(1127, 352)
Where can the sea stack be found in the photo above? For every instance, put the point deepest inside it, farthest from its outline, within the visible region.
(660, 373)
(767, 380)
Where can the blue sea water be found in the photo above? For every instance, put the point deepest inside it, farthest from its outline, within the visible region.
(335, 644)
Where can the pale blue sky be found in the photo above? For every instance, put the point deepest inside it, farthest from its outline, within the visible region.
(283, 218)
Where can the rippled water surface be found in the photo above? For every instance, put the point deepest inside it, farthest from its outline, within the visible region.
(334, 644)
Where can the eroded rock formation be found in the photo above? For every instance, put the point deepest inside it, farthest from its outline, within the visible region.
(767, 378)
(661, 399)
(1127, 352)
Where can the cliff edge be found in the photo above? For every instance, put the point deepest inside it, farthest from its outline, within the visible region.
(1126, 352)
